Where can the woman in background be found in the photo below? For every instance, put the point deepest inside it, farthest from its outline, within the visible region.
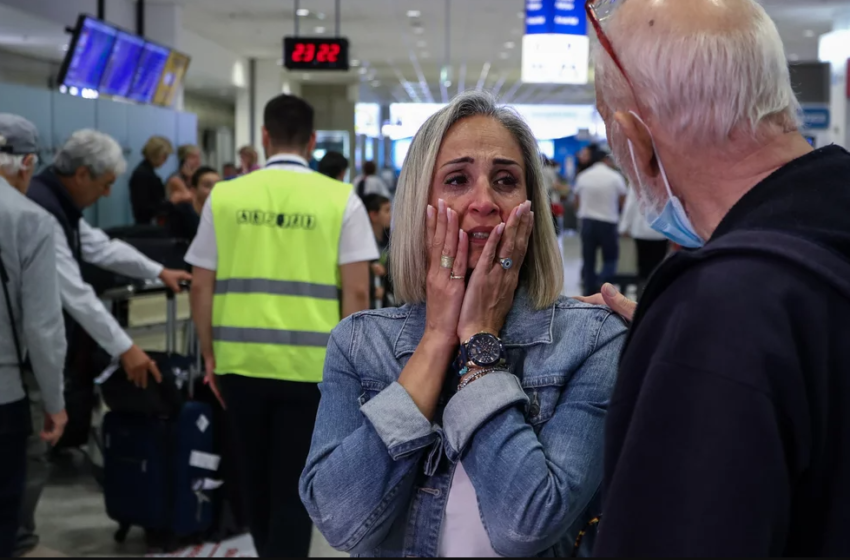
(147, 191)
(249, 159)
(179, 183)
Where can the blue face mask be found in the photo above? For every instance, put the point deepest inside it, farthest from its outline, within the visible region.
(672, 222)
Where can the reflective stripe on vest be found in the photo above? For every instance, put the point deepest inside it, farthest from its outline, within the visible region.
(277, 282)
(276, 287)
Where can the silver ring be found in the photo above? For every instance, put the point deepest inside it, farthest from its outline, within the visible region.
(447, 262)
(506, 263)
(453, 277)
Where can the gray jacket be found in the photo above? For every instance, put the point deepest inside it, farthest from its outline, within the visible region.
(27, 248)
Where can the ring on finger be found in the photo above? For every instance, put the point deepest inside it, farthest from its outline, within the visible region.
(453, 276)
(506, 263)
(447, 262)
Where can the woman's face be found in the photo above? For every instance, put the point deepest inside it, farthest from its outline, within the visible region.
(584, 156)
(247, 159)
(192, 162)
(480, 173)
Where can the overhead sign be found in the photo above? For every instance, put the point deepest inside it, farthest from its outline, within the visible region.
(816, 118)
(311, 53)
(555, 49)
(555, 59)
(564, 17)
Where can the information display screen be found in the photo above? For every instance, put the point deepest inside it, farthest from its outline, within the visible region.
(121, 69)
(310, 53)
(171, 79)
(88, 54)
(149, 72)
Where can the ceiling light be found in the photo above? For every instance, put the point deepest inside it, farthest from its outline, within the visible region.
(419, 30)
(809, 33)
(320, 30)
(363, 71)
(302, 12)
(321, 15)
(504, 55)
(354, 62)
(510, 45)
(64, 48)
(793, 57)
(447, 83)
(414, 13)
(376, 83)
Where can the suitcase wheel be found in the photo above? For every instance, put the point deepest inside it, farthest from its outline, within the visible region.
(121, 533)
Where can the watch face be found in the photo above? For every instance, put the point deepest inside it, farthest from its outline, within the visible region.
(485, 349)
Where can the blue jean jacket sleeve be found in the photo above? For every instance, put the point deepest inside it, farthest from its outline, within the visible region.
(532, 487)
(354, 511)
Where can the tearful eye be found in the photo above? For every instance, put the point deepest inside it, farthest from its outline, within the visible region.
(507, 180)
(456, 180)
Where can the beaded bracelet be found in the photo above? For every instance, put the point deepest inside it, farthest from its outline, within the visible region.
(475, 376)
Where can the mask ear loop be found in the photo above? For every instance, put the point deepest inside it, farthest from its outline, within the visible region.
(655, 149)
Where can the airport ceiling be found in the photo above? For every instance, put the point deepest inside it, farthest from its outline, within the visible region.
(402, 45)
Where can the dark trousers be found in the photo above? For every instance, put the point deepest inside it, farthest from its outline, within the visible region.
(650, 254)
(38, 471)
(597, 235)
(15, 427)
(272, 422)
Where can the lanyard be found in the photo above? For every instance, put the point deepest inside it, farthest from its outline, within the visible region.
(284, 162)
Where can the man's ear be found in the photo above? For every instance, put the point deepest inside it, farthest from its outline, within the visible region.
(82, 173)
(637, 133)
(311, 146)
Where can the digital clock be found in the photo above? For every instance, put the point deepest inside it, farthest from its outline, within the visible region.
(310, 53)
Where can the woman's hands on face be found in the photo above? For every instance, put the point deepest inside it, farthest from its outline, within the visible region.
(490, 293)
(444, 295)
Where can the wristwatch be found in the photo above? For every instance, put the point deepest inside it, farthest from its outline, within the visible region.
(483, 350)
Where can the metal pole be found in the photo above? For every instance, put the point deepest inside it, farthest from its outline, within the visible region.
(140, 18)
(297, 17)
(101, 9)
(252, 100)
(338, 18)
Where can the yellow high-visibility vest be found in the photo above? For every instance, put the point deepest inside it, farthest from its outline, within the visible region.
(277, 283)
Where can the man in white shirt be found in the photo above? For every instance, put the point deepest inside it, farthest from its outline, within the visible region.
(600, 192)
(82, 172)
(370, 183)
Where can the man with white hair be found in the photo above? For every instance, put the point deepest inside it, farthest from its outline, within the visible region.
(83, 171)
(30, 320)
(727, 431)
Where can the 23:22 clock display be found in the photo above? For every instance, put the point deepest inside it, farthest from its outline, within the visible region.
(301, 53)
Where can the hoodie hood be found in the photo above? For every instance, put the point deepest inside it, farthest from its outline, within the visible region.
(809, 198)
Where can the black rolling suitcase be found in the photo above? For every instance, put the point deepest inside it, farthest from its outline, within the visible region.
(160, 470)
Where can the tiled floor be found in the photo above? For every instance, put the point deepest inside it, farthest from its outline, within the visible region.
(71, 517)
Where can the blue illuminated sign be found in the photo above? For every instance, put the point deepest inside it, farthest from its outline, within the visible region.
(561, 17)
(816, 118)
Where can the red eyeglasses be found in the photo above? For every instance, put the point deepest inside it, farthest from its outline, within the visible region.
(598, 11)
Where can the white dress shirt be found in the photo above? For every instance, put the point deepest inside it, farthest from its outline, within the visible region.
(374, 185)
(599, 189)
(356, 240)
(79, 299)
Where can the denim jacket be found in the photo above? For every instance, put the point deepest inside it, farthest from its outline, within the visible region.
(379, 473)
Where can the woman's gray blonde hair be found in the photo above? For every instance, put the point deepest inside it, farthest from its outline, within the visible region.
(542, 273)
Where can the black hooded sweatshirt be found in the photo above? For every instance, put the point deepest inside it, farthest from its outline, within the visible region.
(728, 432)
